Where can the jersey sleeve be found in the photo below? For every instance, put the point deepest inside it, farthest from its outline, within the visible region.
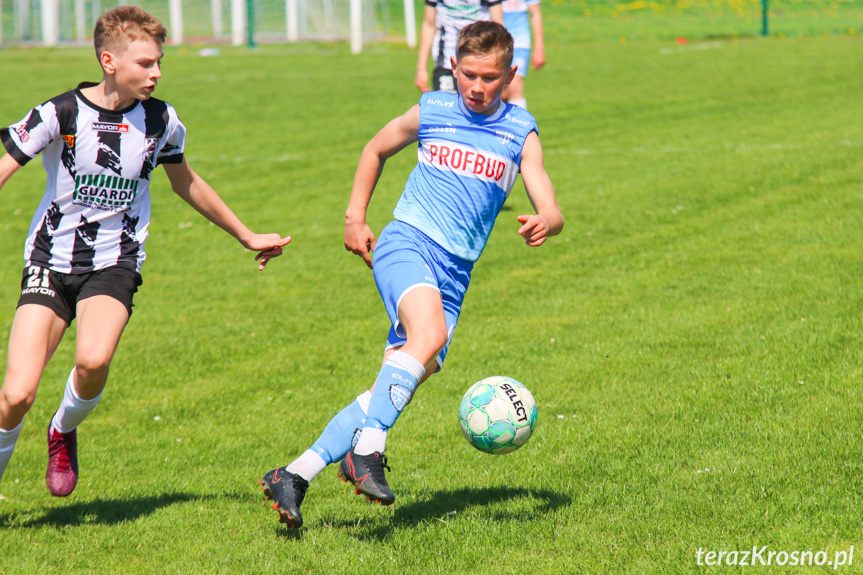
(490, 3)
(175, 143)
(25, 139)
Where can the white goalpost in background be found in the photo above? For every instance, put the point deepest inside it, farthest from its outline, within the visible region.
(239, 22)
(50, 22)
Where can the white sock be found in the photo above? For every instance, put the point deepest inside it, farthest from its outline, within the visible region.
(406, 362)
(73, 410)
(364, 399)
(7, 445)
(520, 102)
(371, 439)
(307, 465)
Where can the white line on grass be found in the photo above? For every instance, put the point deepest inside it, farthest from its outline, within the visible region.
(691, 48)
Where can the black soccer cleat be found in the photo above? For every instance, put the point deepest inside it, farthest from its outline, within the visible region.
(288, 490)
(366, 472)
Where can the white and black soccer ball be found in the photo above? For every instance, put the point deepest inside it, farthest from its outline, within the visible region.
(497, 415)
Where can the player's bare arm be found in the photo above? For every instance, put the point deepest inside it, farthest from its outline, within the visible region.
(8, 166)
(548, 221)
(427, 32)
(394, 137)
(496, 13)
(537, 55)
(198, 194)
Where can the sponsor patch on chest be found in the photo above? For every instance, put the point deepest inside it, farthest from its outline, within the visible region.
(110, 127)
(103, 192)
(467, 161)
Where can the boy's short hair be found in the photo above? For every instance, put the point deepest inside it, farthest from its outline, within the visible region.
(124, 25)
(483, 38)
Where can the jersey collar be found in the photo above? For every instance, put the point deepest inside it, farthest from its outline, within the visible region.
(100, 109)
(481, 118)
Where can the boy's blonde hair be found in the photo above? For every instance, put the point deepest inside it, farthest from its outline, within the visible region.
(484, 38)
(121, 26)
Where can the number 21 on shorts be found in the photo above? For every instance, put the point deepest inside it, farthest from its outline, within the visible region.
(34, 281)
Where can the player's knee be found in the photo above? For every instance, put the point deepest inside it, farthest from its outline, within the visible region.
(16, 399)
(432, 340)
(92, 366)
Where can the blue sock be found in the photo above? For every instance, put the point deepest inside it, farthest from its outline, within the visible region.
(340, 433)
(394, 387)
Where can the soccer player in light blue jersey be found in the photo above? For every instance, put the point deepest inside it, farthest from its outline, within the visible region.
(520, 17)
(472, 147)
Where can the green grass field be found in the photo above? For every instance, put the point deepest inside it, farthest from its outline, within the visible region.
(692, 338)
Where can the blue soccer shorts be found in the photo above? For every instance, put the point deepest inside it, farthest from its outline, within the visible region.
(405, 259)
(521, 58)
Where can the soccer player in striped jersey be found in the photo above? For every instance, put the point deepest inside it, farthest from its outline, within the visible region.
(84, 252)
(519, 24)
(442, 22)
(472, 146)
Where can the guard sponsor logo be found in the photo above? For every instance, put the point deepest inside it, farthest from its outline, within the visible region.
(21, 130)
(110, 127)
(464, 8)
(102, 192)
(399, 395)
(70, 141)
(469, 162)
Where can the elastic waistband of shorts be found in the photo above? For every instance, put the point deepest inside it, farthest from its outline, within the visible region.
(461, 262)
(69, 272)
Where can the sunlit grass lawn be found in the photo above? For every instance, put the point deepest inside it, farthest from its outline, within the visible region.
(692, 338)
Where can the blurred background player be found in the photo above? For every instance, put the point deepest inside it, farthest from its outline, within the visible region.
(84, 252)
(472, 147)
(516, 20)
(442, 22)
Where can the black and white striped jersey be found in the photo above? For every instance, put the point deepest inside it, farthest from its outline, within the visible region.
(451, 16)
(96, 209)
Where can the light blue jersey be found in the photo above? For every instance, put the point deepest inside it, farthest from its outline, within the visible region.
(467, 166)
(517, 22)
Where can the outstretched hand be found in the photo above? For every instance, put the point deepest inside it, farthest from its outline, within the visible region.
(268, 246)
(538, 60)
(421, 80)
(360, 240)
(534, 230)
